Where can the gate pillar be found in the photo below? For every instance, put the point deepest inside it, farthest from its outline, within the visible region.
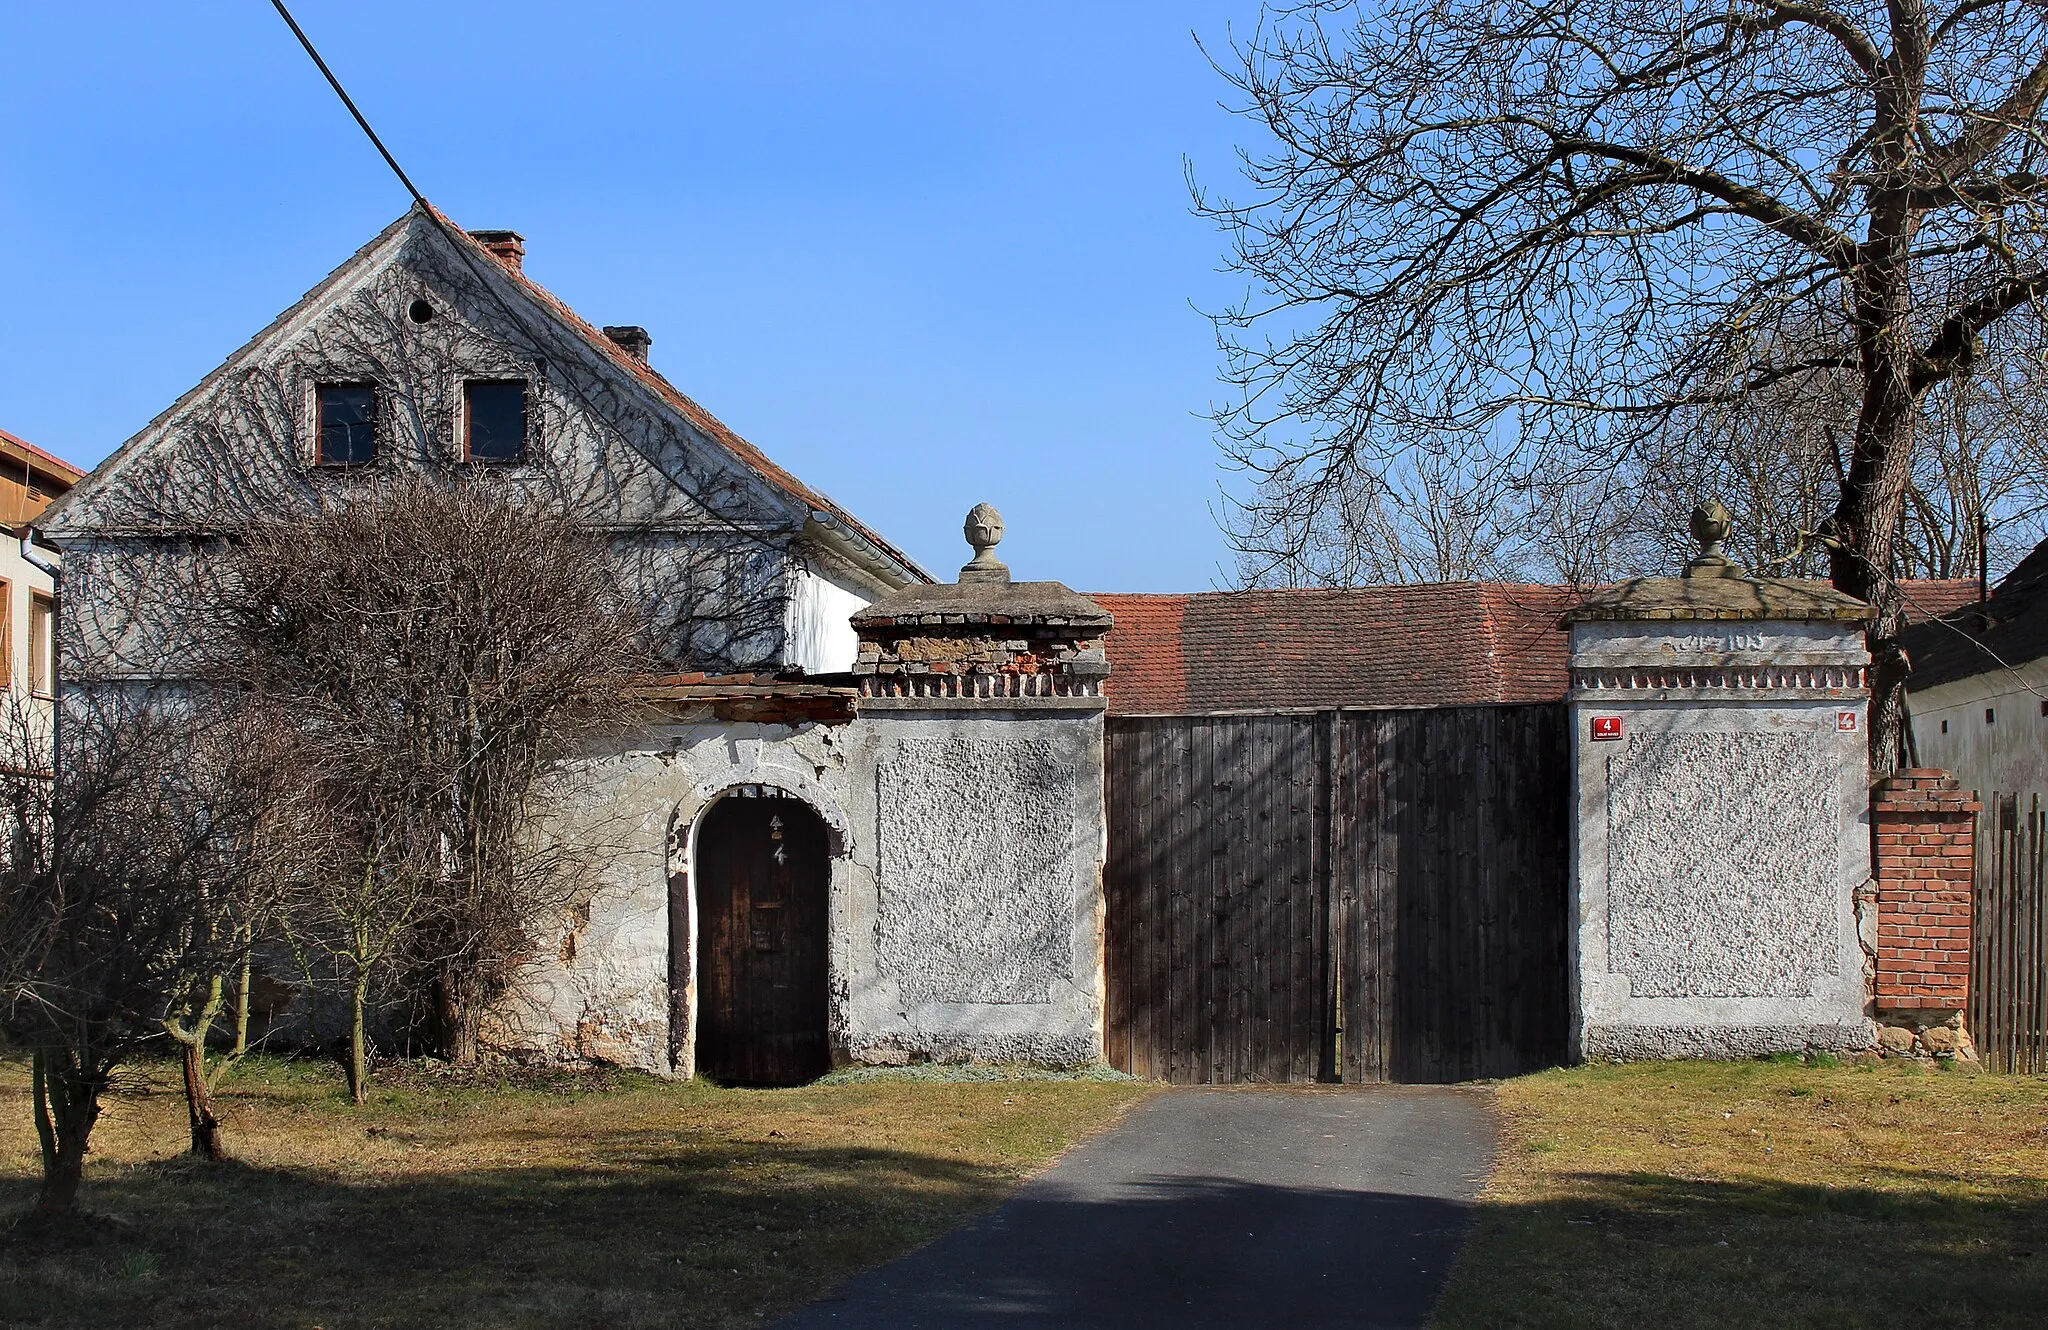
(980, 716)
(1722, 797)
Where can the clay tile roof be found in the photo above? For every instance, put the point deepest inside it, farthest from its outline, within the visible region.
(2010, 629)
(1934, 597)
(1148, 672)
(1431, 645)
(1437, 644)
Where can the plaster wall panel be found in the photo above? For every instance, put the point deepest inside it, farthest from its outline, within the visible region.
(1723, 806)
(986, 915)
(1710, 831)
(989, 948)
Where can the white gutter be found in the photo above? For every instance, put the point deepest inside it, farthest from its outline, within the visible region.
(828, 530)
(30, 555)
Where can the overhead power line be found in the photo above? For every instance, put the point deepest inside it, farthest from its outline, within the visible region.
(465, 251)
(348, 101)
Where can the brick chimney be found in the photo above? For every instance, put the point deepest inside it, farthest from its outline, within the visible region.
(507, 247)
(634, 341)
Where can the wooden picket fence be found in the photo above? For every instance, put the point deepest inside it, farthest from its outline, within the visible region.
(2008, 1012)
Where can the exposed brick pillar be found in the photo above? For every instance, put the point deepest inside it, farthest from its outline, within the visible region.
(1925, 831)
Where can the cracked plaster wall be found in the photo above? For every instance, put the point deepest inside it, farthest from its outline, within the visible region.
(964, 896)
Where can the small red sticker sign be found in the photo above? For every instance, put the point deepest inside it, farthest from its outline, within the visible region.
(1845, 721)
(1606, 727)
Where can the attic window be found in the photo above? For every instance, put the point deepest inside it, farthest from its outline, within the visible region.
(494, 420)
(347, 434)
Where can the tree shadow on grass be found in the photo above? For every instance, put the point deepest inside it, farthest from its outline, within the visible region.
(1652, 1250)
(727, 1233)
(710, 1234)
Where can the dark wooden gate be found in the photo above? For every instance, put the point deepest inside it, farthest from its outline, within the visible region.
(1354, 895)
(2008, 1015)
(762, 872)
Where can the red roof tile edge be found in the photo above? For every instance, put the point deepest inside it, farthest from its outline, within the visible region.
(1398, 646)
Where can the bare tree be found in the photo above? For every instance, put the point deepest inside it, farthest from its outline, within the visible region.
(1558, 224)
(441, 643)
(126, 876)
(369, 872)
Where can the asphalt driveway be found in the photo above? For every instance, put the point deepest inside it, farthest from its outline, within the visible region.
(1292, 1208)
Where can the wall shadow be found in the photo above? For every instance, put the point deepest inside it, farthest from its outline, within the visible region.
(1653, 1249)
(660, 1230)
(1184, 1252)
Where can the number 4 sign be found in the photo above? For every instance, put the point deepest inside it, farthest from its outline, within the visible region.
(1606, 727)
(1845, 721)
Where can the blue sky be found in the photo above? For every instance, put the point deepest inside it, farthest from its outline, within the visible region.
(923, 255)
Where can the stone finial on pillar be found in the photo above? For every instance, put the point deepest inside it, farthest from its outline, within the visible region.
(984, 531)
(984, 637)
(1710, 523)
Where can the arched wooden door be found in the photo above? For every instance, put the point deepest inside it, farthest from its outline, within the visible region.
(762, 870)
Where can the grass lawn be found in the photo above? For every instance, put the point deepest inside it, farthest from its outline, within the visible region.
(1673, 1195)
(565, 1201)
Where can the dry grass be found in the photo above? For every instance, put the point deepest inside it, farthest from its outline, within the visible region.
(1668, 1196)
(544, 1202)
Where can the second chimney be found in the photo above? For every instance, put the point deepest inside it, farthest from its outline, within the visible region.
(507, 247)
(632, 340)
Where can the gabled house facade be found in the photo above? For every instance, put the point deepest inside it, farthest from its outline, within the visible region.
(430, 347)
(768, 905)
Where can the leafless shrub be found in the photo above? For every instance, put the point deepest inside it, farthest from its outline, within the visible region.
(436, 645)
(129, 877)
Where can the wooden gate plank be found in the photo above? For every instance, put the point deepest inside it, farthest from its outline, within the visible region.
(1369, 895)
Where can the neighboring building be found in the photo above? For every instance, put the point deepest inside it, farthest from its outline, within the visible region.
(30, 480)
(1979, 687)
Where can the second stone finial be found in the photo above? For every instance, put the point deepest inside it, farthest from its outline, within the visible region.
(984, 531)
(1710, 522)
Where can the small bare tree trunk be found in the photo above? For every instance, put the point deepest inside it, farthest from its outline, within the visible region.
(46, 1131)
(358, 1046)
(206, 1140)
(457, 1017)
(191, 1037)
(242, 999)
(65, 1112)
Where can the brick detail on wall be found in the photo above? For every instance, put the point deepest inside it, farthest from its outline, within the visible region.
(1924, 828)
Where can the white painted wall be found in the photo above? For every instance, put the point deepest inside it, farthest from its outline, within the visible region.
(821, 640)
(24, 581)
(964, 914)
(2007, 753)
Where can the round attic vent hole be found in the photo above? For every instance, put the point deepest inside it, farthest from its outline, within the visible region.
(419, 311)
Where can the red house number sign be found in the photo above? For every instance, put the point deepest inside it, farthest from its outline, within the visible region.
(1606, 727)
(1845, 721)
